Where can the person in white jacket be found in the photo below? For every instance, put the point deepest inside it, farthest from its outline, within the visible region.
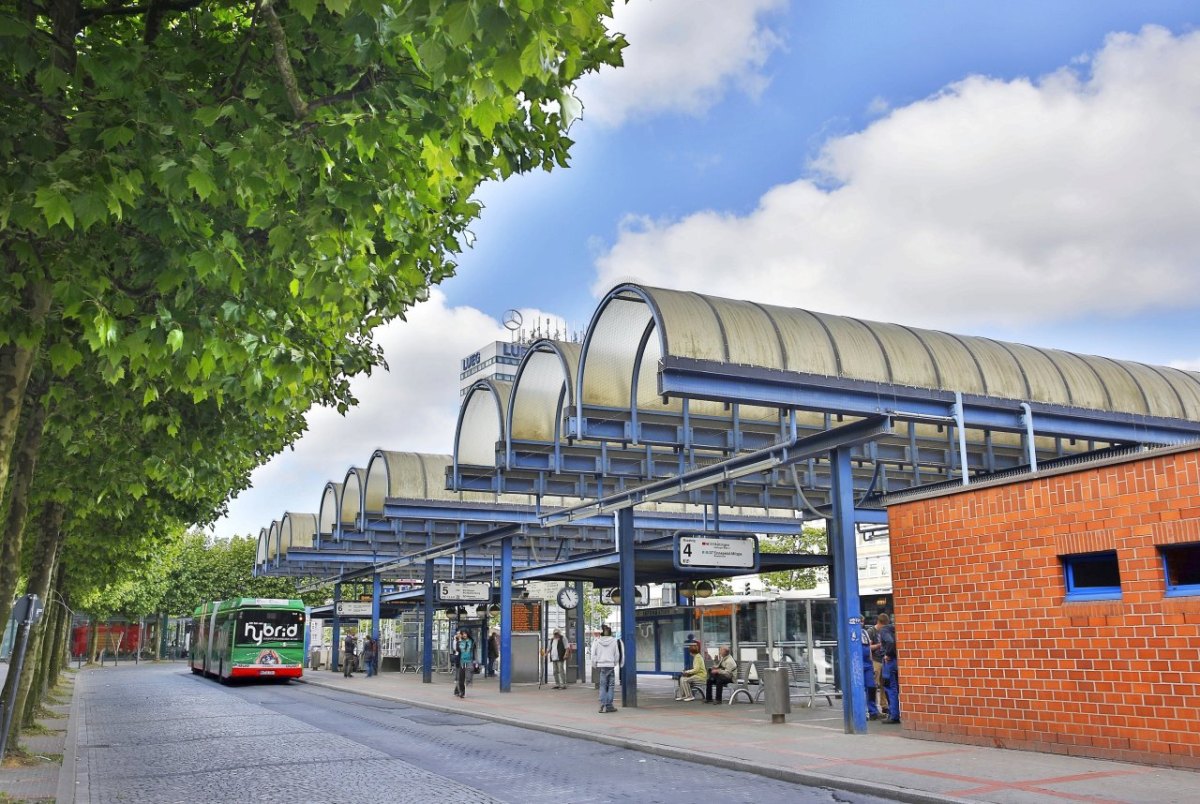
(607, 656)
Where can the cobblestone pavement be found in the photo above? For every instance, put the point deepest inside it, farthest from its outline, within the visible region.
(156, 733)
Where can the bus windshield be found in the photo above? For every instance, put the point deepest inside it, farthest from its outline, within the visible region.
(259, 626)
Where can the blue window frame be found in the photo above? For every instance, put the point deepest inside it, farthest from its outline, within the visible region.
(1092, 576)
(1181, 568)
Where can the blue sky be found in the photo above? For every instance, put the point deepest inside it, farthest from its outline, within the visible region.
(1025, 170)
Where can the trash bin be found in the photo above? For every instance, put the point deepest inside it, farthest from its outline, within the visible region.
(775, 689)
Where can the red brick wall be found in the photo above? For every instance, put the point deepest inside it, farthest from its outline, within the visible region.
(992, 654)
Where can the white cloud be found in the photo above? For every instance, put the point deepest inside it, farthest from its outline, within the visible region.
(683, 56)
(413, 407)
(1186, 365)
(993, 202)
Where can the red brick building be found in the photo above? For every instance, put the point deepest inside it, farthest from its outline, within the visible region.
(1056, 612)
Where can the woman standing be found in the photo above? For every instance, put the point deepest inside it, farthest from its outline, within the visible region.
(465, 648)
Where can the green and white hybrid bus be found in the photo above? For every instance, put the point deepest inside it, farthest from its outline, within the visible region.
(248, 637)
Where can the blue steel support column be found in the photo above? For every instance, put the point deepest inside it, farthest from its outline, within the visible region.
(844, 553)
(506, 580)
(376, 592)
(580, 665)
(427, 626)
(628, 592)
(335, 654)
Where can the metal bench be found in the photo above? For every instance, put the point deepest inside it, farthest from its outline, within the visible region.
(747, 682)
(802, 685)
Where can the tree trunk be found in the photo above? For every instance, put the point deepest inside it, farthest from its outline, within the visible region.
(44, 560)
(95, 642)
(62, 637)
(24, 461)
(16, 364)
(46, 678)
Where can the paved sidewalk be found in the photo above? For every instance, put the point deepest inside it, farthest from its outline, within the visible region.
(53, 761)
(809, 748)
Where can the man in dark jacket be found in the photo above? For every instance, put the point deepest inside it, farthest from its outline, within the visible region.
(349, 649)
(891, 668)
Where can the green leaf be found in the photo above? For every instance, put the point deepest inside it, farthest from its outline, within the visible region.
(115, 136)
(339, 7)
(64, 358)
(54, 206)
(175, 339)
(508, 70)
(306, 8)
(202, 183)
(294, 287)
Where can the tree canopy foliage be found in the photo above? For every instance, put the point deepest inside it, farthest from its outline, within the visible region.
(809, 540)
(206, 209)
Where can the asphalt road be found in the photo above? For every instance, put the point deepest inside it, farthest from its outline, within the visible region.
(156, 733)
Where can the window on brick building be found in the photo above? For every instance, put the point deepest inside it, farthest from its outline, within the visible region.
(1181, 565)
(1092, 576)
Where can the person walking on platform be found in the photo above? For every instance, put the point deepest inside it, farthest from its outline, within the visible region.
(869, 676)
(465, 647)
(371, 656)
(349, 655)
(891, 667)
(559, 651)
(493, 649)
(721, 674)
(696, 672)
(607, 656)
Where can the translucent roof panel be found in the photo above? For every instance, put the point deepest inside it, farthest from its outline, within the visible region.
(1045, 382)
(1186, 385)
(263, 542)
(327, 514)
(297, 530)
(481, 423)
(351, 505)
(805, 342)
(273, 541)
(910, 362)
(745, 327)
(693, 328)
(721, 330)
(412, 475)
(1002, 374)
(545, 384)
(613, 338)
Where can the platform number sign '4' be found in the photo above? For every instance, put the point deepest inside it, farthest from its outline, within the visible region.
(699, 550)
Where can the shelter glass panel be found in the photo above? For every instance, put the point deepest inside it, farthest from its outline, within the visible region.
(716, 629)
(751, 625)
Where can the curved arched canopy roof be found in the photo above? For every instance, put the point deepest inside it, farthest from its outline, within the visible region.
(350, 505)
(297, 530)
(327, 514)
(409, 475)
(681, 324)
(481, 423)
(544, 387)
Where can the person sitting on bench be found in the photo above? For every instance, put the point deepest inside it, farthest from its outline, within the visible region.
(722, 673)
(697, 672)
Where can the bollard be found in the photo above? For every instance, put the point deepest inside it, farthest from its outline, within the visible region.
(775, 688)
